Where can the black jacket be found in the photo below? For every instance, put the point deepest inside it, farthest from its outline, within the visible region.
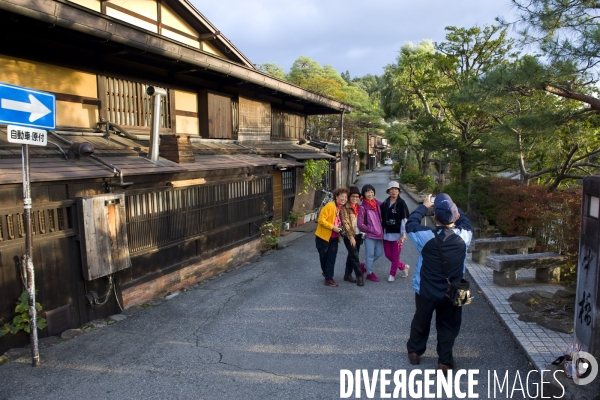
(397, 212)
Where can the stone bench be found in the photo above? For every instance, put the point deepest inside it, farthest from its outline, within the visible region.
(481, 248)
(505, 266)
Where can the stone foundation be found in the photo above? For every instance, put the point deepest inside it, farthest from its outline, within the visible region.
(191, 274)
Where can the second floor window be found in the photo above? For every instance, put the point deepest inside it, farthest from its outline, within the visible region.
(126, 103)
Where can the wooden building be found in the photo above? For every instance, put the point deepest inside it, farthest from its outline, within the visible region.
(115, 230)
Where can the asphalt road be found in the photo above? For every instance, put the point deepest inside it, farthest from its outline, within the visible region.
(268, 330)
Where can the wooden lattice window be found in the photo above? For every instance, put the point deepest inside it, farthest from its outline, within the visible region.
(289, 181)
(46, 218)
(126, 103)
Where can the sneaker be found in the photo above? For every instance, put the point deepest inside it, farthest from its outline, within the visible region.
(349, 278)
(331, 282)
(363, 269)
(405, 272)
(391, 279)
(372, 277)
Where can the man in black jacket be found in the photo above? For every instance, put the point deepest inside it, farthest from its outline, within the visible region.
(454, 232)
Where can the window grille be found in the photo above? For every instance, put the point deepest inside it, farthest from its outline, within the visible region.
(289, 182)
(128, 104)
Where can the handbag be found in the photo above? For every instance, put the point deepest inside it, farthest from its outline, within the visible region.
(457, 293)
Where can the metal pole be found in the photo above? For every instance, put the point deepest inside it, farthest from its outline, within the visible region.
(157, 93)
(342, 148)
(368, 161)
(35, 354)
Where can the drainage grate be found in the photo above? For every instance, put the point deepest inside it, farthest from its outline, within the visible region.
(58, 320)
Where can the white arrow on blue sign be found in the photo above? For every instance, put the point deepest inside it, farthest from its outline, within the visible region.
(28, 107)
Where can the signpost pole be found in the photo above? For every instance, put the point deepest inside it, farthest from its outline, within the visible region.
(31, 111)
(35, 354)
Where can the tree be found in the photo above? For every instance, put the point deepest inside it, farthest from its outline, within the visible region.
(411, 89)
(547, 135)
(437, 88)
(346, 76)
(272, 69)
(567, 33)
(308, 74)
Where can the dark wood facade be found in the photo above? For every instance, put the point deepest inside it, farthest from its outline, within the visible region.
(206, 198)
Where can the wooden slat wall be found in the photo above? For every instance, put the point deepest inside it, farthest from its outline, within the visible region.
(126, 103)
(288, 125)
(219, 117)
(216, 116)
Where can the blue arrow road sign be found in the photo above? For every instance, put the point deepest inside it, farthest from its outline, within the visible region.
(28, 107)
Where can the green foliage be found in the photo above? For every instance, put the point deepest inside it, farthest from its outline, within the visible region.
(269, 234)
(272, 69)
(396, 168)
(21, 321)
(410, 175)
(424, 183)
(294, 216)
(314, 172)
(566, 31)
(459, 193)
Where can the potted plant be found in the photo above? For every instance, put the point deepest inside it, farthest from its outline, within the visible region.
(296, 218)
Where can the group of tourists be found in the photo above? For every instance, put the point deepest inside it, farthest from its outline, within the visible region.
(356, 217)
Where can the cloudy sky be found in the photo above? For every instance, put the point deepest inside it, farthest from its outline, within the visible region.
(358, 36)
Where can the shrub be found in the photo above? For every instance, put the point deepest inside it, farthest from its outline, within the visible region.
(410, 175)
(552, 218)
(424, 183)
(458, 192)
(396, 168)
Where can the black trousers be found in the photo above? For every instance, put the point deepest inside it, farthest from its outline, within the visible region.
(352, 261)
(327, 253)
(447, 324)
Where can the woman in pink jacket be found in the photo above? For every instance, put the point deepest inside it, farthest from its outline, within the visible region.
(369, 222)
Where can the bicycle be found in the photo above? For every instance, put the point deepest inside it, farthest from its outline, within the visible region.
(327, 197)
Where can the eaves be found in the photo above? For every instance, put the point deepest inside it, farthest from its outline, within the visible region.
(72, 16)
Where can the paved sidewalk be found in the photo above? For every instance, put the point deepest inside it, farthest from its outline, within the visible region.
(541, 345)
